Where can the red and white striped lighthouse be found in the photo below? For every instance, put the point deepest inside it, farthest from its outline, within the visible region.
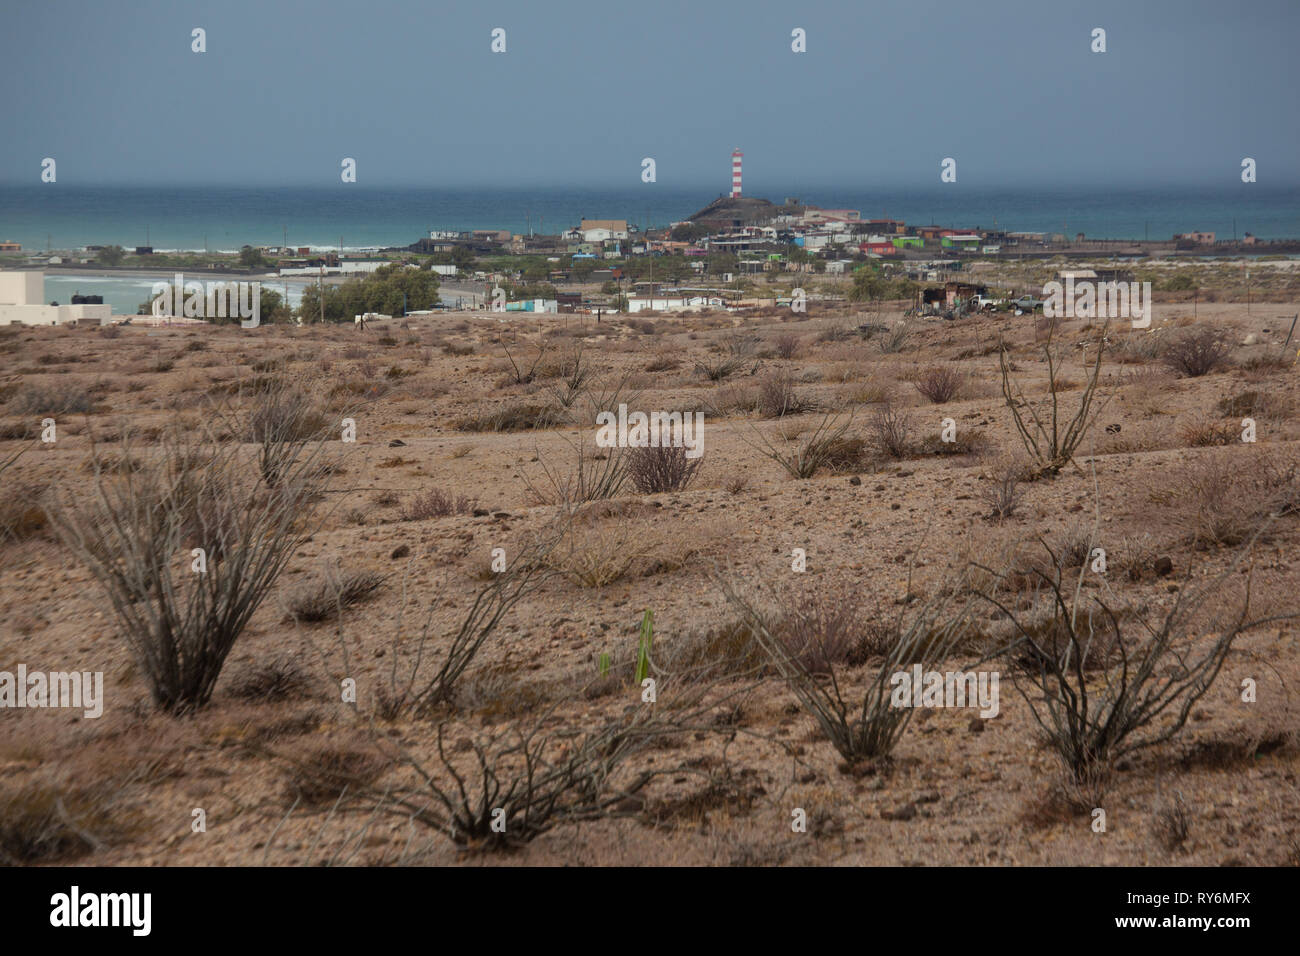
(735, 172)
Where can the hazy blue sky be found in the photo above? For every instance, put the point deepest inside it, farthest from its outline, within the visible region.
(411, 90)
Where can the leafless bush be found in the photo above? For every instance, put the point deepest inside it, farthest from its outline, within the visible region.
(1197, 351)
(893, 432)
(1039, 423)
(1222, 496)
(814, 452)
(1154, 670)
(436, 503)
(787, 345)
(525, 780)
(873, 727)
(1002, 494)
(777, 396)
(1172, 824)
(895, 339)
(595, 476)
(284, 421)
(654, 469)
(576, 375)
(433, 668)
(134, 535)
(719, 369)
(523, 374)
(827, 628)
(939, 383)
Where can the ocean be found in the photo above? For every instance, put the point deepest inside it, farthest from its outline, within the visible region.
(359, 217)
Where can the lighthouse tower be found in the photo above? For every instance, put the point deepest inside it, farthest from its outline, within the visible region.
(735, 172)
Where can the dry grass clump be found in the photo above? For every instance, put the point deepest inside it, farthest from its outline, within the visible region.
(597, 556)
(331, 593)
(21, 515)
(436, 503)
(1205, 433)
(323, 774)
(64, 398)
(520, 416)
(662, 362)
(815, 452)
(280, 678)
(41, 822)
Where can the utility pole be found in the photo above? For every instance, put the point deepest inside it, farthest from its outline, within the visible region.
(321, 287)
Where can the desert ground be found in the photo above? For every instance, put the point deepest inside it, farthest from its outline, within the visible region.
(335, 723)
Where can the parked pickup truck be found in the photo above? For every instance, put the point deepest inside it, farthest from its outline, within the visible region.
(1027, 303)
(985, 302)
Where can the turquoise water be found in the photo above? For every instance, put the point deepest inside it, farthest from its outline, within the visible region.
(224, 218)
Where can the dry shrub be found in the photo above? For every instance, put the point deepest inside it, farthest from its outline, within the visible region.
(726, 648)
(511, 418)
(331, 593)
(1002, 494)
(596, 476)
(736, 483)
(1205, 433)
(595, 557)
(21, 516)
(777, 396)
(846, 455)
(135, 533)
(831, 627)
(734, 398)
(326, 773)
(967, 441)
(1101, 689)
(281, 678)
(815, 452)
(65, 398)
(787, 345)
(1197, 351)
(939, 384)
(41, 822)
(662, 362)
(436, 503)
(1223, 496)
(892, 431)
(655, 469)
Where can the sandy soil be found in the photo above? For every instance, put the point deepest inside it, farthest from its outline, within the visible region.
(881, 533)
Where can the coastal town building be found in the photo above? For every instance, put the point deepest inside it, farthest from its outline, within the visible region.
(22, 302)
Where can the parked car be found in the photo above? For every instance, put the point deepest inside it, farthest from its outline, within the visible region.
(1026, 303)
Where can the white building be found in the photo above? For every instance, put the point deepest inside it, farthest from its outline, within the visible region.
(22, 302)
(671, 303)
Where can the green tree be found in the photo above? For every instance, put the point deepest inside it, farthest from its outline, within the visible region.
(110, 256)
(386, 290)
(251, 258)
